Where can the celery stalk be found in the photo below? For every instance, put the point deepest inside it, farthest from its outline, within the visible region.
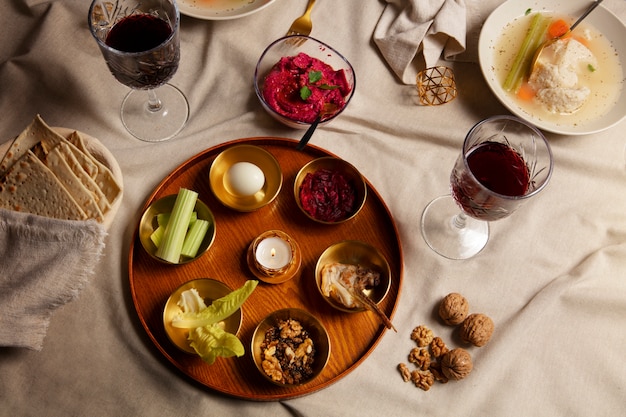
(194, 238)
(157, 236)
(163, 218)
(532, 40)
(177, 226)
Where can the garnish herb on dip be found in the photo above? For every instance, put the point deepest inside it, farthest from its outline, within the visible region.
(299, 87)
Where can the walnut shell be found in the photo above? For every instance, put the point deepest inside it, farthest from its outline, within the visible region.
(477, 329)
(453, 309)
(456, 364)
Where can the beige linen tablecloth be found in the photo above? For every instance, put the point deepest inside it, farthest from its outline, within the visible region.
(552, 276)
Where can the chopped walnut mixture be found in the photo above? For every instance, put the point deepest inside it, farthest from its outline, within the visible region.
(288, 353)
(422, 335)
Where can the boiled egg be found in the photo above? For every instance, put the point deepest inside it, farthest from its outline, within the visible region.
(244, 179)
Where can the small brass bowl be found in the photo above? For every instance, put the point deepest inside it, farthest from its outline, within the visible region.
(257, 156)
(148, 224)
(210, 290)
(338, 165)
(317, 332)
(355, 253)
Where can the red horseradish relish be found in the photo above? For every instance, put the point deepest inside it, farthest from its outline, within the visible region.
(283, 86)
(327, 195)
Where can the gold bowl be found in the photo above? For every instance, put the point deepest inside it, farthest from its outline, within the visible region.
(317, 333)
(354, 252)
(349, 172)
(148, 224)
(210, 290)
(257, 156)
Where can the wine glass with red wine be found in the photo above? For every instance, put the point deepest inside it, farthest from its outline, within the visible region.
(504, 162)
(139, 40)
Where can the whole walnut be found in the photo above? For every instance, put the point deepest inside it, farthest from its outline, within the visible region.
(456, 364)
(477, 329)
(453, 308)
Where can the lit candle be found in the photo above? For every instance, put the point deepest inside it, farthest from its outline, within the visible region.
(273, 253)
(274, 257)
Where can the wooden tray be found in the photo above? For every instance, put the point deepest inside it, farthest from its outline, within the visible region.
(353, 335)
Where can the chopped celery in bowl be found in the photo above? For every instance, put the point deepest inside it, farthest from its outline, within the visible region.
(178, 228)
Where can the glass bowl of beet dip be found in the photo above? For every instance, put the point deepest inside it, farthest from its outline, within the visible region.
(298, 79)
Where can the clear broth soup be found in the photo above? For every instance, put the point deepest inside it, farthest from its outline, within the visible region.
(605, 82)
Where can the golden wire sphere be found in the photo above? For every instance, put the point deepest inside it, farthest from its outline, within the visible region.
(436, 86)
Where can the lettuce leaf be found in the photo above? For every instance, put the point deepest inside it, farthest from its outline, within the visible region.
(191, 302)
(211, 342)
(219, 309)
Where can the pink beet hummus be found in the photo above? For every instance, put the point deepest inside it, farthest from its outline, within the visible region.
(299, 87)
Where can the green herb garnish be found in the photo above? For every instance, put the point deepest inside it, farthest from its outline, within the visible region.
(591, 68)
(315, 76)
(528, 11)
(305, 92)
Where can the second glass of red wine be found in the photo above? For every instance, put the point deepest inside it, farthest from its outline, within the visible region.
(140, 44)
(504, 162)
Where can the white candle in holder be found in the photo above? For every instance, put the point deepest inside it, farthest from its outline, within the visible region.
(273, 253)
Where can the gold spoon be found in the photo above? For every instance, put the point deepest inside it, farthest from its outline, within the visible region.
(571, 28)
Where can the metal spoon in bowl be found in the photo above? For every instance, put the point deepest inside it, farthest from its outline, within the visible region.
(328, 108)
(571, 28)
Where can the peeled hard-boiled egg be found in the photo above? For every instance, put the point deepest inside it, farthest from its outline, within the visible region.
(244, 179)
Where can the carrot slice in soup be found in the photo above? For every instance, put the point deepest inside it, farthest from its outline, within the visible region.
(526, 92)
(558, 28)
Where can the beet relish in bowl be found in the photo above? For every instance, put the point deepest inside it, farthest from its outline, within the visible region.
(330, 190)
(298, 82)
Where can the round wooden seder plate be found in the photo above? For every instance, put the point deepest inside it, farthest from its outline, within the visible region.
(353, 335)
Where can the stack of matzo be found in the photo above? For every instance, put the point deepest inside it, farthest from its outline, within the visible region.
(49, 175)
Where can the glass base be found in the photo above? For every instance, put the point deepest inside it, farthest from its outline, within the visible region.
(451, 233)
(152, 124)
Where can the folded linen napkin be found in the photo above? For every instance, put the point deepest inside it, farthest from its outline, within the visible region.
(413, 34)
(44, 263)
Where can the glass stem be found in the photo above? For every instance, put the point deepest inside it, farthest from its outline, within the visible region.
(154, 104)
(459, 220)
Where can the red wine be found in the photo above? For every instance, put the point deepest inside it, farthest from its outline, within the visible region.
(138, 33)
(497, 167)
